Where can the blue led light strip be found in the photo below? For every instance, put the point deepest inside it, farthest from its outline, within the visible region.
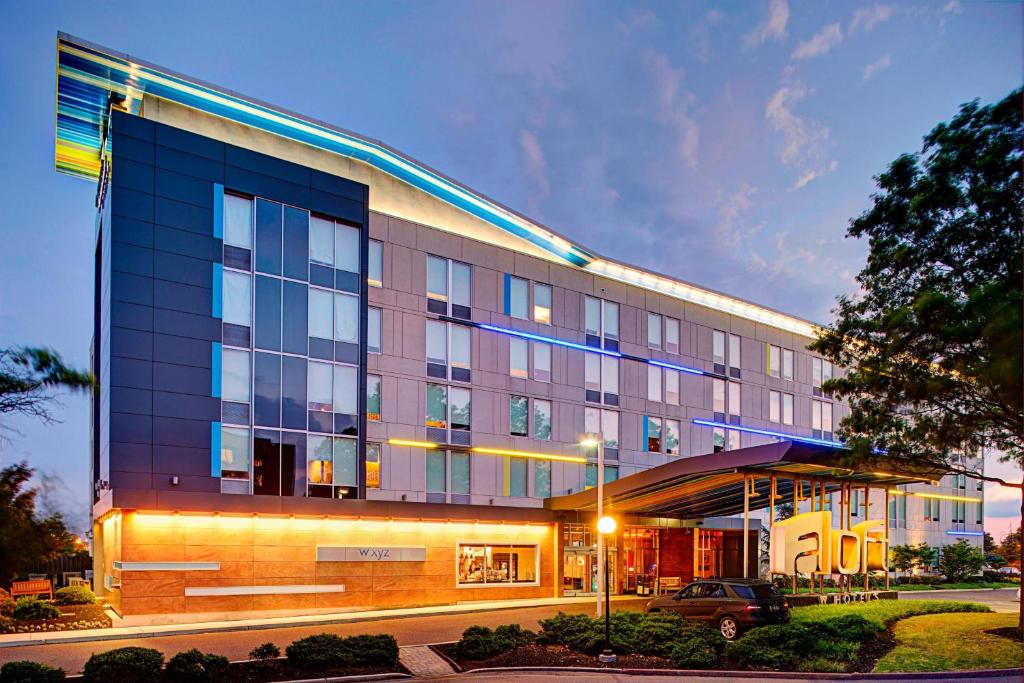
(766, 432)
(680, 368)
(965, 533)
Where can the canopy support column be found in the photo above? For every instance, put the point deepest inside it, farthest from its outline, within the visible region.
(746, 525)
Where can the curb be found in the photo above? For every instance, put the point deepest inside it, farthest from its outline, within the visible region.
(702, 673)
(333, 679)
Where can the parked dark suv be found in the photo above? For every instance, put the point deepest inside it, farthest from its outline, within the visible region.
(733, 605)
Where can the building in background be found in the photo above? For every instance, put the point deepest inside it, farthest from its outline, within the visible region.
(332, 377)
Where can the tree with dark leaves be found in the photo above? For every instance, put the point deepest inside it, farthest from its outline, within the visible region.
(29, 377)
(25, 539)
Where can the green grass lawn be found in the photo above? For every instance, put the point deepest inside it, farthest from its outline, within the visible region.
(883, 612)
(947, 642)
(918, 587)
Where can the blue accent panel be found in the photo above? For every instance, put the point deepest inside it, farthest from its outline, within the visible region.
(216, 309)
(215, 449)
(216, 353)
(218, 211)
(647, 422)
(508, 294)
(766, 432)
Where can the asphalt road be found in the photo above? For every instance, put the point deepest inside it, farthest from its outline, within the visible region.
(611, 678)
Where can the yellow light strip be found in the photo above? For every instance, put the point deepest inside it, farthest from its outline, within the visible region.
(412, 444)
(528, 454)
(936, 496)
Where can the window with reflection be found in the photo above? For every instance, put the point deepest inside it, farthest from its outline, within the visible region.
(518, 357)
(321, 241)
(346, 318)
(372, 465)
(460, 408)
(437, 406)
(541, 361)
(346, 248)
(345, 389)
(542, 479)
(541, 419)
(237, 298)
(319, 459)
(321, 313)
(235, 375)
(373, 384)
(542, 303)
(460, 464)
(654, 434)
(518, 298)
(517, 477)
(519, 415)
(672, 437)
(234, 453)
(437, 475)
(484, 564)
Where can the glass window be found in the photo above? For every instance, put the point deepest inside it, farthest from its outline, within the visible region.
(541, 419)
(611, 320)
(437, 342)
(734, 351)
(237, 298)
(542, 303)
(295, 323)
(437, 406)
(373, 384)
(734, 440)
(609, 375)
(267, 236)
(826, 418)
(375, 267)
(542, 479)
(373, 316)
(461, 353)
(519, 415)
(718, 395)
(437, 278)
(346, 248)
(672, 387)
(519, 298)
(346, 318)
(266, 389)
(718, 347)
(816, 372)
(734, 398)
(610, 428)
(235, 375)
(590, 476)
(373, 465)
(592, 369)
(320, 383)
(518, 357)
(774, 360)
(517, 477)
(234, 453)
(462, 284)
(460, 403)
(774, 406)
(592, 309)
(320, 467)
(653, 383)
(787, 409)
(436, 474)
(787, 364)
(267, 333)
(718, 439)
(672, 437)
(346, 459)
(460, 472)
(486, 564)
(654, 434)
(237, 221)
(541, 361)
(321, 241)
(321, 313)
(654, 330)
(345, 389)
(671, 335)
(296, 249)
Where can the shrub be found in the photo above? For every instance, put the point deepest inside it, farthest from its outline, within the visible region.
(124, 665)
(74, 595)
(6, 606)
(6, 625)
(322, 651)
(366, 650)
(572, 630)
(850, 627)
(774, 646)
(698, 647)
(516, 633)
(265, 652)
(480, 642)
(31, 609)
(30, 672)
(193, 666)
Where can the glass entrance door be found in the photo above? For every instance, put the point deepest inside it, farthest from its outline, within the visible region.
(579, 572)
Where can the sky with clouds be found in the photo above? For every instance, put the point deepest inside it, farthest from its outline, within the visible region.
(726, 143)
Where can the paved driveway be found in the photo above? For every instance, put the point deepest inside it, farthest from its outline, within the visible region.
(1000, 600)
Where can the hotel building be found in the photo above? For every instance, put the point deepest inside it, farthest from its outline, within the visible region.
(334, 378)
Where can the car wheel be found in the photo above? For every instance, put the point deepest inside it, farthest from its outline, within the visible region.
(729, 628)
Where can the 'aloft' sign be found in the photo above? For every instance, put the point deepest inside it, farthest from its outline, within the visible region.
(807, 544)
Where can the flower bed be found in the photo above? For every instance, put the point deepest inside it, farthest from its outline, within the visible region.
(72, 618)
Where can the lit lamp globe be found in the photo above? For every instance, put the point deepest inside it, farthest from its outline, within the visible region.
(606, 525)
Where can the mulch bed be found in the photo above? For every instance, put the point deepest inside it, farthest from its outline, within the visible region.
(72, 618)
(1009, 632)
(279, 670)
(552, 655)
(874, 650)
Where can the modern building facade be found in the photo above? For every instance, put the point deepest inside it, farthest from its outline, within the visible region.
(331, 377)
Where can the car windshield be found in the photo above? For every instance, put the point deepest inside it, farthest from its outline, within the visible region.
(760, 590)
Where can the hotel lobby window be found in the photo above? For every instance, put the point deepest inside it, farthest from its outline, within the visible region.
(449, 284)
(542, 303)
(497, 564)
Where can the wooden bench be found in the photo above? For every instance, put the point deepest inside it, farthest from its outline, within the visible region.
(77, 581)
(32, 587)
(669, 584)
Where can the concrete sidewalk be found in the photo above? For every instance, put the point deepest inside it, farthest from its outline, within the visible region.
(269, 622)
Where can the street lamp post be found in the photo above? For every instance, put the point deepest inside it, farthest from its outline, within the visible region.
(590, 441)
(606, 527)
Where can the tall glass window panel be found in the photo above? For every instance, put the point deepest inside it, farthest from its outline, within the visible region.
(590, 476)
(461, 412)
(373, 322)
(541, 479)
(672, 437)
(816, 415)
(267, 334)
(718, 347)
(826, 417)
(346, 318)
(293, 392)
(774, 406)
(296, 243)
(654, 330)
(295, 323)
(734, 352)
(346, 248)
(234, 453)
(826, 371)
(462, 288)
(460, 464)
(787, 364)
(346, 459)
(734, 399)
(591, 420)
(519, 415)
(346, 389)
(373, 388)
(541, 361)
(319, 459)
(610, 428)
(774, 360)
(610, 375)
(542, 303)
(611, 473)
(592, 371)
(733, 438)
(592, 314)
(718, 395)
(611, 320)
(237, 221)
(267, 390)
(461, 348)
(320, 387)
(672, 387)
(519, 298)
(375, 265)
(437, 406)
(237, 298)
(437, 476)
(518, 355)
(321, 313)
(718, 439)
(517, 477)
(437, 278)
(654, 434)
(235, 375)
(321, 241)
(541, 419)
(653, 383)
(268, 237)
(787, 409)
(266, 462)
(671, 335)
(816, 372)
(373, 465)
(437, 342)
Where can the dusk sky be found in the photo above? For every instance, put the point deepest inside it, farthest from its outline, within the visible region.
(727, 144)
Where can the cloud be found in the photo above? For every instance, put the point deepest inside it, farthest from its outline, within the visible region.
(881, 64)
(536, 168)
(869, 17)
(638, 20)
(805, 142)
(673, 105)
(820, 43)
(952, 7)
(813, 174)
(729, 234)
(774, 27)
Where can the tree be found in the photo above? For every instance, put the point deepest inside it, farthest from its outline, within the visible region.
(907, 558)
(25, 538)
(933, 340)
(30, 376)
(960, 561)
(1009, 547)
(988, 543)
(994, 561)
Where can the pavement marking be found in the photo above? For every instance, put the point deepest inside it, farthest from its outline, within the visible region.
(423, 662)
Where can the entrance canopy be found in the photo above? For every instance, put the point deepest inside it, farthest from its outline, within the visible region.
(713, 485)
